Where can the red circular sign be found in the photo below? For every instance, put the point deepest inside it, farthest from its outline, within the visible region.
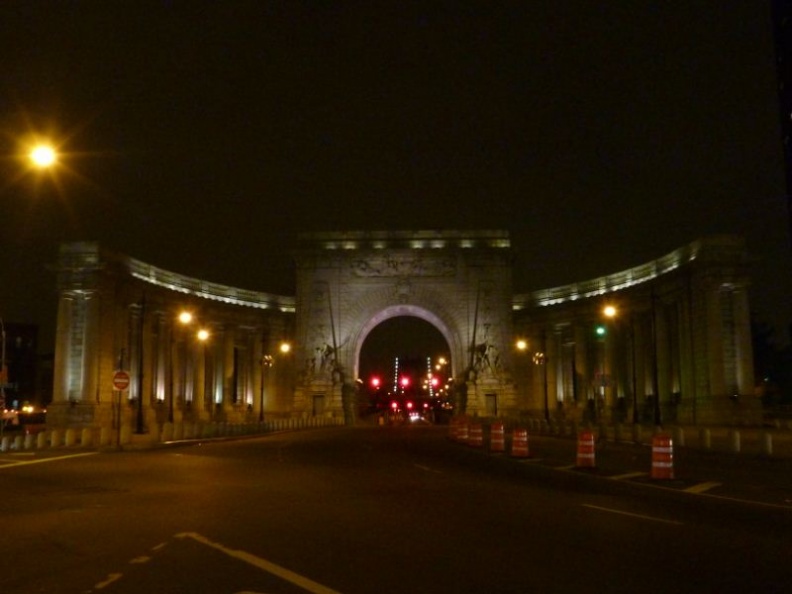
(120, 380)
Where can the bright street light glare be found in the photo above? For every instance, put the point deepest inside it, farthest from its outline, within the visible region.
(43, 156)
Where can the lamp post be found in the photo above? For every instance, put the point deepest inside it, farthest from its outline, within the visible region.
(184, 318)
(658, 420)
(266, 363)
(203, 336)
(3, 378)
(611, 312)
(139, 425)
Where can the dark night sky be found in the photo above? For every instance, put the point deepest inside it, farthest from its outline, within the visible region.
(202, 136)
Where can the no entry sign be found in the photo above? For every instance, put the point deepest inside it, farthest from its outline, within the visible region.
(120, 381)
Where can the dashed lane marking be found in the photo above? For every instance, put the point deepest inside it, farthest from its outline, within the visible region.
(632, 515)
(263, 564)
(629, 475)
(42, 460)
(427, 469)
(702, 487)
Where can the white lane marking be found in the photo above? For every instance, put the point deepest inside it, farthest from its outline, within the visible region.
(629, 475)
(701, 487)
(427, 469)
(113, 577)
(263, 564)
(632, 515)
(140, 560)
(42, 460)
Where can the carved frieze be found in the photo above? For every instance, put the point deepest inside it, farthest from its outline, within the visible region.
(403, 265)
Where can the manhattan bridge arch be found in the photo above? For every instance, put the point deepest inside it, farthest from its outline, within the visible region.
(679, 349)
(349, 283)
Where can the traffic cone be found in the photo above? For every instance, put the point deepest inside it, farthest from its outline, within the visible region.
(586, 450)
(497, 438)
(519, 443)
(662, 457)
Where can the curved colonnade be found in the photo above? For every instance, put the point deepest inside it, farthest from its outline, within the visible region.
(677, 349)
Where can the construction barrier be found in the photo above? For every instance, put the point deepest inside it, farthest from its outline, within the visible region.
(586, 450)
(462, 432)
(497, 438)
(475, 435)
(519, 447)
(458, 428)
(662, 457)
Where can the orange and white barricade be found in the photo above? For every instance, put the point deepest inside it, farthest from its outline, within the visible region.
(462, 431)
(458, 429)
(497, 438)
(475, 435)
(519, 447)
(662, 457)
(586, 450)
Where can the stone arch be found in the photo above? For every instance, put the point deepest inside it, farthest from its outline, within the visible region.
(394, 311)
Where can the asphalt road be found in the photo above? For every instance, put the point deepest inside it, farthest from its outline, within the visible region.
(388, 509)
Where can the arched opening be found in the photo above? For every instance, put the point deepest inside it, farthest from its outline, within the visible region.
(405, 371)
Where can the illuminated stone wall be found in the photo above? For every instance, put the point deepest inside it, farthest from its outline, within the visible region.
(677, 350)
(116, 313)
(348, 283)
(681, 331)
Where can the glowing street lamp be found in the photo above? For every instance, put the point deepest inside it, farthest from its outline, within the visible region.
(203, 336)
(43, 156)
(184, 318)
(610, 312)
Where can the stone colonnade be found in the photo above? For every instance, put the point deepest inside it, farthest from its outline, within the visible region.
(116, 313)
(675, 349)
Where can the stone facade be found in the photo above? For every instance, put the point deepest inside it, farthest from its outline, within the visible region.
(677, 350)
(348, 283)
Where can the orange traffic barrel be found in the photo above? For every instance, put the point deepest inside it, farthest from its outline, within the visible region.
(586, 451)
(453, 428)
(662, 457)
(462, 431)
(497, 438)
(519, 447)
(475, 435)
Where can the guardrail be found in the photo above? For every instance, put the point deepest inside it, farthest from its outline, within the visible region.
(107, 437)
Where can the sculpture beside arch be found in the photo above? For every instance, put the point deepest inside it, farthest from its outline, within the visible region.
(679, 348)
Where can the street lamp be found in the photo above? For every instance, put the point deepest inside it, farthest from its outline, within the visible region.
(266, 363)
(203, 337)
(540, 358)
(609, 311)
(184, 318)
(3, 378)
(43, 156)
